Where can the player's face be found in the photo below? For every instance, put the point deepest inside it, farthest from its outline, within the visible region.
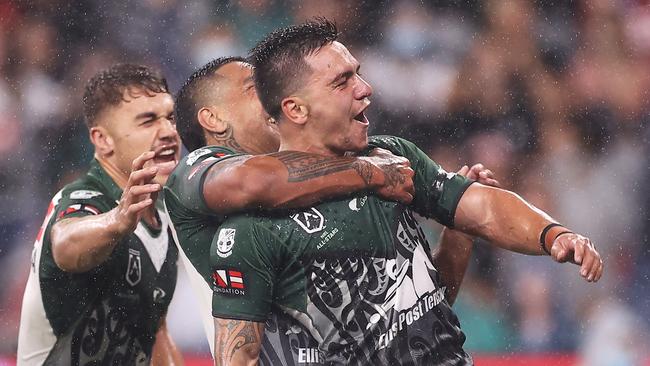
(143, 122)
(253, 130)
(337, 97)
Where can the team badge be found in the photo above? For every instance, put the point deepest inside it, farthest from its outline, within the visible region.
(134, 269)
(312, 221)
(225, 242)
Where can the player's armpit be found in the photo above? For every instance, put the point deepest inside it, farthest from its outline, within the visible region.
(237, 342)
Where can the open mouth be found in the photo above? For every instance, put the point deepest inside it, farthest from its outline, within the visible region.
(166, 153)
(361, 117)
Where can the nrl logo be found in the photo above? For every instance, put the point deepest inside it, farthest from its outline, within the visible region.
(311, 221)
(225, 242)
(195, 155)
(83, 194)
(134, 269)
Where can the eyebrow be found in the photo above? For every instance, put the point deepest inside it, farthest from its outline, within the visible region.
(146, 115)
(345, 74)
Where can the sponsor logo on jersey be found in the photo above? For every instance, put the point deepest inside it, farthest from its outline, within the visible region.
(357, 203)
(84, 194)
(310, 355)
(79, 207)
(195, 155)
(228, 281)
(312, 221)
(225, 242)
(134, 269)
(158, 295)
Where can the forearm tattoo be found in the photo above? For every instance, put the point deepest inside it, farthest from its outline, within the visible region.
(232, 336)
(303, 166)
(393, 176)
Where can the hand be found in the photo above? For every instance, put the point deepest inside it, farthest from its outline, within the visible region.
(397, 176)
(139, 194)
(480, 174)
(578, 249)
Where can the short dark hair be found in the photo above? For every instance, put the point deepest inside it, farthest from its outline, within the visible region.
(189, 100)
(279, 60)
(108, 86)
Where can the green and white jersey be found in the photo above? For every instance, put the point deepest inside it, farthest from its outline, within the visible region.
(193, 223)
(347, 282)
(110, 314)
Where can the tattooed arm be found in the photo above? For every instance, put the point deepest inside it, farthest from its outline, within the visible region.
(290, 179)
(237, 342)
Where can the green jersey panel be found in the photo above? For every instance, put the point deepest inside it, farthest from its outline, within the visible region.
(195, 225)
(112, 312)
(349, 281)
(437, 192)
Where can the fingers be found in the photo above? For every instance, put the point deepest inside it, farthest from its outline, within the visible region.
(379, 151)
(463, 171)
(475, 170)
(138, 177)
(139, 162)
(579, 250)
(135, 208)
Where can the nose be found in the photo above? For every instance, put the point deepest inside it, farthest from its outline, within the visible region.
(363, 89)
(167, 130)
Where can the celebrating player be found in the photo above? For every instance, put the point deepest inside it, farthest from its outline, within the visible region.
(104, 267)
(351, 281)
(218, 114)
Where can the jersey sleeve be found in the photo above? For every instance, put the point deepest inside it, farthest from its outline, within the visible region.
(81, 202)
(437, 192)
(243, 270)
(185, 185)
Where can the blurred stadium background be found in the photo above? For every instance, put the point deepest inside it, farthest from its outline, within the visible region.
(551, 95)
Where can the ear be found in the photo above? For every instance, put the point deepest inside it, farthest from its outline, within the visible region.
(101, 138)
(295, 109)
(210, 121)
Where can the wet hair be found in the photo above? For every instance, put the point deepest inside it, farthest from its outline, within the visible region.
(279, 60)
(190, 99)
(107, 87)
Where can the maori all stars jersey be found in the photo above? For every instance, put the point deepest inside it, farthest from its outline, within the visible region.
(110, 314)
(347, 282)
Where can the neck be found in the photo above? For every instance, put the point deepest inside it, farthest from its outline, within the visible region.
(113, 171)
(301, 140)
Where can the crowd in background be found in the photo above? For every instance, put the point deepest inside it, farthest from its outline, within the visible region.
(553, 96)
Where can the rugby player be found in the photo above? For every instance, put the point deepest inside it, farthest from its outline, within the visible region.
(218, 114)
(350, 281)
(104, 267)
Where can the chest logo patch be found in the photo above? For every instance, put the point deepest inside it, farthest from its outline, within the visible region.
(158, 295)
(357, 203)
(225, 242)
(134, 269)
(312, 221)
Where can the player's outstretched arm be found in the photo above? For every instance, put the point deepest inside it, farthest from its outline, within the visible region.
(290, 179)
(165, 352)
(237, 342)
(454, 247)
(82, 243)
(508, 221)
